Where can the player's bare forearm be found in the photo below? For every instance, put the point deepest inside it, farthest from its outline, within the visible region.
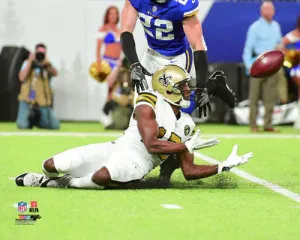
(193, 31)
(192, 171)
(157, 146)
(149, 132)
(128, 17)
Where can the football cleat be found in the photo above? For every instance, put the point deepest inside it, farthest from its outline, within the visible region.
(59, 182)
(29, 179)
(221, 89)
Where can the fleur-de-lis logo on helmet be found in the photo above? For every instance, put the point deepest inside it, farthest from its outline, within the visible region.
(165, 79)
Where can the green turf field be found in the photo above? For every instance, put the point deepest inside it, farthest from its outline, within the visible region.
(221, 207)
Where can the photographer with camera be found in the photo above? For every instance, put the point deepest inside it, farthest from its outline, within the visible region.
(35, 98)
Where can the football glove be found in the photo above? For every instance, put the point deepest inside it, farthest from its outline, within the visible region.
(218, 87)
(138, 78)
(234, 160)
(202, 102)
(196, 142)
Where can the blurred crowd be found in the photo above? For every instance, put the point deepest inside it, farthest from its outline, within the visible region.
(111, 68)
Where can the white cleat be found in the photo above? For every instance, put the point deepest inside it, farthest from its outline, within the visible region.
(29, 179)
(59, 182)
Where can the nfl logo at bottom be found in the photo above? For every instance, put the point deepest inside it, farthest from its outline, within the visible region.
(22, 206)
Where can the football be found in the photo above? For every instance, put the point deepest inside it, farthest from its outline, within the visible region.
(267, 64)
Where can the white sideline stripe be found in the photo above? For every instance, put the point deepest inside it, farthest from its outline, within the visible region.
(171, 206)
(11, 178)
(103, 134)
(251, 178)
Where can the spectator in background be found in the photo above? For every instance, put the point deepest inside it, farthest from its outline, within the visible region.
(35, 98)
(118, 109)
(109, 37)
(263, 35)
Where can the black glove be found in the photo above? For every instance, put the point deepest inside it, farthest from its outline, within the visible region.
(138, 77)
(217, 86)
(202, 102)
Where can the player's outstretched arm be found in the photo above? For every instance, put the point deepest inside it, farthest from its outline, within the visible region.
(192, 171)
(193, 31)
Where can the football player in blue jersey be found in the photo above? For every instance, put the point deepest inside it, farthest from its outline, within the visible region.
(174, 36)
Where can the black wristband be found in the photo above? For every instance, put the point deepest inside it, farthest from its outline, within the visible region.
(128, 45)
(201, 67)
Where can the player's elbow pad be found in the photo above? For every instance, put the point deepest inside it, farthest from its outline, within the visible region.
(128, 45)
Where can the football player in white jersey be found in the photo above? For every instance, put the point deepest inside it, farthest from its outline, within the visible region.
(157, 129)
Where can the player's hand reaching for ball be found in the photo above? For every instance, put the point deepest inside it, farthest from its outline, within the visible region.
(202, 102)
(138, 78)
(234, 160)
(196, 142)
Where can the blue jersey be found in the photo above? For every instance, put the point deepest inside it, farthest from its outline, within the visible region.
(163, 24)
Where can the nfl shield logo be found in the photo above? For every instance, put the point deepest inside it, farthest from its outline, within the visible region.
(22, 206)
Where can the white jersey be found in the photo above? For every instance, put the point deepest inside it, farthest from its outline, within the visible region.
(170, 128)
(127, 158)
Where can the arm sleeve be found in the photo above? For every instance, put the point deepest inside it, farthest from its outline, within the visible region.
(147, 98)
(201, 67)
(134, 3)
(248, 49)
(191, 8)
(128, 46)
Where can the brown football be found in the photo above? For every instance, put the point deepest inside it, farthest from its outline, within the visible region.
(267, 64)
